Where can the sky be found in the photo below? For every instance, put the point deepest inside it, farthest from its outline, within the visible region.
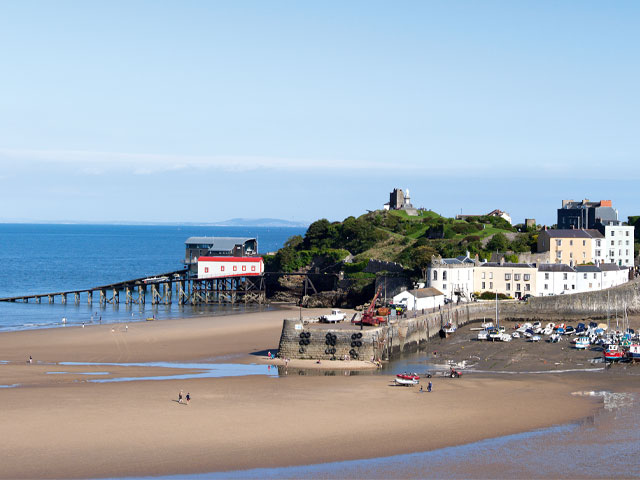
(200, 111)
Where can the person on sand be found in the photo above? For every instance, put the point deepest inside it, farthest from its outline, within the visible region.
(429, 387)
(188, 397)
(421, 390)
(180, 397)
(30, 359)
(269, 354)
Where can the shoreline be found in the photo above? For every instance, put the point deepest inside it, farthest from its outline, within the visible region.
(65, 426)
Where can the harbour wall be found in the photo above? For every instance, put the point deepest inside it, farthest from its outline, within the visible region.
(308, 339)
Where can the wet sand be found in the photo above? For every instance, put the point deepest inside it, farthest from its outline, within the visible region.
(63, 426)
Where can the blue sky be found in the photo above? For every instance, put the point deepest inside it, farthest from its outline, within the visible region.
(199, 111)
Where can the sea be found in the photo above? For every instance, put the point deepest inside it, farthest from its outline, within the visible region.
(40, 259)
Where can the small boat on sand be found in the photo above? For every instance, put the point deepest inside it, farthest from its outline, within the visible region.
(613, 353)
(405, 382)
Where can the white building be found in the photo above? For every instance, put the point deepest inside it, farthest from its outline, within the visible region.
(556, 279)
(618, 244)
(421, 298)
(452, 276)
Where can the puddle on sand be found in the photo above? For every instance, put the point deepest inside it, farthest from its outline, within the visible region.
(10, 386)
(78, 373)
(199, 370)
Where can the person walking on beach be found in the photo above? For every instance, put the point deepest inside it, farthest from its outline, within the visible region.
(30, 359)
(188, 397)
(429, 386)
(180, 397)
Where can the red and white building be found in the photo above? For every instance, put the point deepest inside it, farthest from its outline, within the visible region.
(219, 267)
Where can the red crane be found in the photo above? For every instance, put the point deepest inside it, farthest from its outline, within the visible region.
(367, 317)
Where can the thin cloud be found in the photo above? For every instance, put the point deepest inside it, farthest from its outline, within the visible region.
(97, 163)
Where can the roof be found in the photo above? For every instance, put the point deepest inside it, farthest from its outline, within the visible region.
(219, 243)
(609, 267)
(426, 292)
(508, 265)
(587, 268)
(457, 261)
(573, 233)
(554, 267)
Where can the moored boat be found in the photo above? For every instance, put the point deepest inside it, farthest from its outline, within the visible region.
(634, 352)
(613, 353)
(582, 343)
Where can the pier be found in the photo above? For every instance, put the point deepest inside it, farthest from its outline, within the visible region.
(187, 289)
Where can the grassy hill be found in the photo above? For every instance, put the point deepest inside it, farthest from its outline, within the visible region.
(397, 237)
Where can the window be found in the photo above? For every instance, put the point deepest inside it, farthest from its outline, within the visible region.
(619, 242)
(627, 252)
(564, 276)
(253, 268)
(206, 269)
(244, 268)
(490, 284)
(627, 242)
(507, 276)
(585, 276)
(546, 276)
(558, 242)
(613, 232)
(435, 275)
(613, 242)
(235, 268)
(527, 287)
(573, 287)
(483, 287)
(570, 242)
(597, 253)
(222, 268)
(627, 233)
(590, 285)
(584, 254)
(527, 277)
(584, 243)
(597, 243)
(559, 253)
(444, 276)
(490, 275)
(565, 287)
(546, 286)
(508, 286)
(444, 286)
(594, 275)
(518, 287)
(612, 253)
(570, 254)
(516, 277)
(483, 275)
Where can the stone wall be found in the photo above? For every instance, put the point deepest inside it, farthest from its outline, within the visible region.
(408, 334)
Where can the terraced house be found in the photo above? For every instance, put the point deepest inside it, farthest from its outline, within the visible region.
(512, 279)
(572, 246)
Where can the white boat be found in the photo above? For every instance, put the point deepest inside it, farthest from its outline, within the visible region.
(515, 335)
(407, 382)
(548, 330)
(505, 337)
(483, 335)
(555, 338)
(449, 328)
(535, 338)
(487, 325)
(582, 343)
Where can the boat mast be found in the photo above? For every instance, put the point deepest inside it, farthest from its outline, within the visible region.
(497, 318)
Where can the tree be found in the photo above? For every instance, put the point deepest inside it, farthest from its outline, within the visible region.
(498, 242)
(422, 259)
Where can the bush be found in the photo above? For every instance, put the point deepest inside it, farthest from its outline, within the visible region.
(492, 296)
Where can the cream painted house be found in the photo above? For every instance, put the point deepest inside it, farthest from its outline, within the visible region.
(511, 279)
(571, 246)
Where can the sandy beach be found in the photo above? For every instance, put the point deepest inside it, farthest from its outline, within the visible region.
(63, 426)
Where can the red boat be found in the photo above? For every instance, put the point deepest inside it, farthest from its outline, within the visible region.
(613, 353)
(408, 376)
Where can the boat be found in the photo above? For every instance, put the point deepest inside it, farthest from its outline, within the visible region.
(483, 335)
(634, 351)
(408, 376)
(535, 338)
(515, 335)
(405, 382)
(613, 353)
(449, 328)
(555, 338)
(582, 343)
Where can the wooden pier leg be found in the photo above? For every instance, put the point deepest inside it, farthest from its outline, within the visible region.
(142, 292)
(63, 297)
(129, 298)
(90, 297)
(76, 298)
(103, 297)
(38, 299)
(50, 298)
(116, 296)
